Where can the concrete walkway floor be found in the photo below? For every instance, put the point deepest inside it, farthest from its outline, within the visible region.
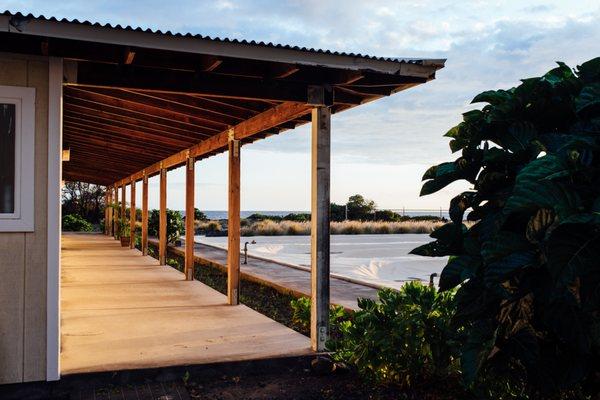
(120, 310)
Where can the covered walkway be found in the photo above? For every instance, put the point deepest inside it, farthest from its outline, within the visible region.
(121, 310)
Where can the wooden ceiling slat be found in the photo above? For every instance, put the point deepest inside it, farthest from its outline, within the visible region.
(198, 104)
(155, 102)
(115, 101)
(114, 150)
(118, 128)
(189, 129)
(69, 107)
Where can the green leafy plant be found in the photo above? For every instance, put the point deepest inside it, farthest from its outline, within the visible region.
(175, 225)
(528, 269)
(124, 228)
(301, 317)
(75, 223)
(402, 338)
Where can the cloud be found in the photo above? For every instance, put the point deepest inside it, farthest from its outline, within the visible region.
(488, 45)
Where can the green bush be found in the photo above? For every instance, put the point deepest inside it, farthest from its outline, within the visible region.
(403, 338)
(175, 225)
(301, 317)
(528, 270)
(75, 223)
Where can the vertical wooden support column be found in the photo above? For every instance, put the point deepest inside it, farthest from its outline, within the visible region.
(189, 219)
(106, 200)
(233, 223)
(132, 216)
(162, 230)
(116, 214)
(123, 213)
(145, 214)
(109, 217)
(320, 185)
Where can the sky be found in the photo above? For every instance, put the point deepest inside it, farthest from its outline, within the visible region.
(380, 149)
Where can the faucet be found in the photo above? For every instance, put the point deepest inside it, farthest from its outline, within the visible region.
(246, 250)
(431, 278)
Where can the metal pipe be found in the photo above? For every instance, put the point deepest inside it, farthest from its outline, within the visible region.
(246, 250)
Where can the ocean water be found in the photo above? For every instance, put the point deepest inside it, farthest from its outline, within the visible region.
(379, 259)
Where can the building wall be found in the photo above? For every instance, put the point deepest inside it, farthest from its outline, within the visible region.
(23, 256)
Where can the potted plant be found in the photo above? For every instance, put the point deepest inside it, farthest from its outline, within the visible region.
(124, 232)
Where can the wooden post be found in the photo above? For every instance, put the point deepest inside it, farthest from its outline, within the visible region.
(116, 214)
(106, 211)
(132, 216)
(123, 213)
(233, 223)
(145, 214)
(162, 230)
(111, 199)
(189, 219)
(320, 178)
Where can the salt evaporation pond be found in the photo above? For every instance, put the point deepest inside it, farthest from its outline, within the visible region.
(379, 259)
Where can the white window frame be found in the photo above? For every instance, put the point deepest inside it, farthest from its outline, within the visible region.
(21, 220)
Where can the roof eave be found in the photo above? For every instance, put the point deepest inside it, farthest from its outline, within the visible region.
(196, 45)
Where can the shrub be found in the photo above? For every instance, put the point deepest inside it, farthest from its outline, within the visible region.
(403, 338)
(199, 215)
(528, 268)
(338, 316)
(75, 223)
(175, 225)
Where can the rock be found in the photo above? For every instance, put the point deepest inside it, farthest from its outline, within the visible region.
(322, 365)
(341, 368)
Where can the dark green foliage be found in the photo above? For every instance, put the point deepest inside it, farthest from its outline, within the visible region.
(297, 217)
(175, 225)
(528, 269)
(360, 208)
(301, 317)
(83, 199)
(337, 212)
(403, 338)
(199, 215)
(75, 223)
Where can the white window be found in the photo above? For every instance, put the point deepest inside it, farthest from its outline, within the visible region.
(17, 158)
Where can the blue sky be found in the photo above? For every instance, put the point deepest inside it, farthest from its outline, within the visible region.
(380, 149)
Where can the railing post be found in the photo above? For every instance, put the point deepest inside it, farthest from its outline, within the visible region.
(320, 251)
(189, 218)
(233, 222)
(145, 214)
(162, 234)
(132, 216)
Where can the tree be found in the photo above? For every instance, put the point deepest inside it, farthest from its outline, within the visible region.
(527, 269)
(360, 208)
(84, 199)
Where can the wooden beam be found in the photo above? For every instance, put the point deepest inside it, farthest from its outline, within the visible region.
(132, 216)
(255, 125)
(189, 219)
(145, 215)
(202, 83)
(233, 224)
(129, 56)
(110, 211)
(320, 250)
(162, 231)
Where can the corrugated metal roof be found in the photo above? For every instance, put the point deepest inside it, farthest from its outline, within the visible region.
(22, 18)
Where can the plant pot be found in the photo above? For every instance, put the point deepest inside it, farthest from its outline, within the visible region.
(125, 240)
